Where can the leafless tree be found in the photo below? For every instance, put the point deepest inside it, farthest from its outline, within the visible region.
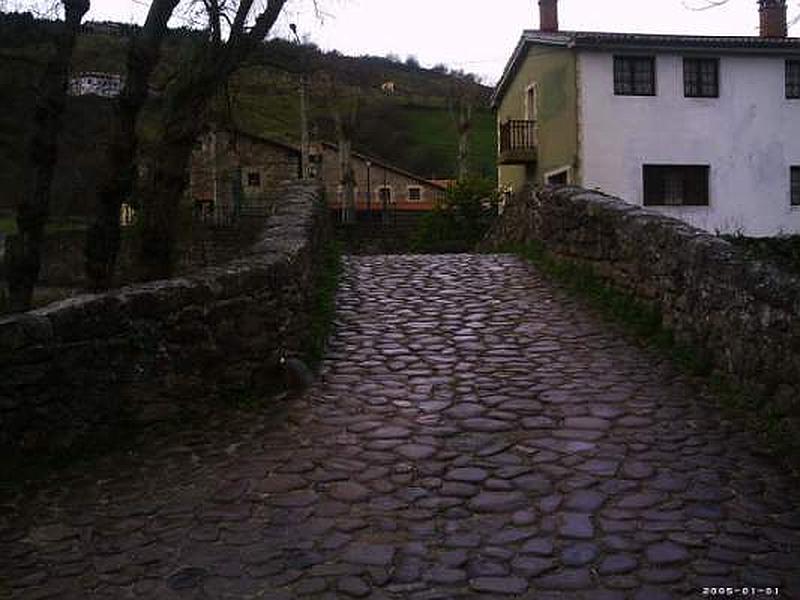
(24, 252)
(346, 118)
(701, 5)
(186, 102)
(103, 240)
(461, 101)
(704, 4)
(344, 104)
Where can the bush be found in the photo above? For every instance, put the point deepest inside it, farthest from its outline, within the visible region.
(461, 221)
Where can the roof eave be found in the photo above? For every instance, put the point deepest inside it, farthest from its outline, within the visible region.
(611, 47)
(527, 39)
(384, 165)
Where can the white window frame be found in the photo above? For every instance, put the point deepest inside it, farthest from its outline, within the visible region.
(408, 192)
(791, 205)
(568, 170)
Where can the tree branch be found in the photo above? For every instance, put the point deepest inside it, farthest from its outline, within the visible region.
(707, 5)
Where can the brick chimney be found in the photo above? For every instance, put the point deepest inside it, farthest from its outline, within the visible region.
(773, 18)
(548, 15)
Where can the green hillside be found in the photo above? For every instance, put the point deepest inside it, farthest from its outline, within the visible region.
(411, 127)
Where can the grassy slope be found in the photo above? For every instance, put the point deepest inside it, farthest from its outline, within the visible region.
(434, 130)
(412, 130)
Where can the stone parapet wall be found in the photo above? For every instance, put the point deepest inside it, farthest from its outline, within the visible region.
(744, 314)
(145, 352)
(64, 258)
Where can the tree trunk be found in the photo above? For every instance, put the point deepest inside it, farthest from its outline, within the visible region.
(186, 105)
(25, 249)
(464, 128)
(103, 238)
(161, 194)
(346, 174)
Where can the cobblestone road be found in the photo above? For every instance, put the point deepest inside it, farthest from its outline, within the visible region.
(475, 434)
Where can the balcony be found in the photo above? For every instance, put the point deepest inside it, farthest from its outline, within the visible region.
(517, 142)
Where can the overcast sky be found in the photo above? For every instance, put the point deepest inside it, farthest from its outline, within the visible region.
(476, 35)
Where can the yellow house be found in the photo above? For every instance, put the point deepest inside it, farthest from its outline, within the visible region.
(705, 129)
(536, 104)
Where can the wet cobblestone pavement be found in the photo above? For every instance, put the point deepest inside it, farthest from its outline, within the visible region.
(474, 434)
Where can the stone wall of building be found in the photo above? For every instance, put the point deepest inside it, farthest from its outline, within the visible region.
(223, 162)
(141, 353)
(744, 314)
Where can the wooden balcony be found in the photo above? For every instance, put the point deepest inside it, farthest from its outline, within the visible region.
(517, 142)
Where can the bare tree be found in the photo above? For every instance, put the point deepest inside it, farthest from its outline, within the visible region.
(701, 5)
(103, 240)
(186, 103)
(705, 4)
(345, 114)
(25, 250)
(460, 103)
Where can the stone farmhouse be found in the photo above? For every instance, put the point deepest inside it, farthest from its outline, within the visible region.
(704, 129)
(235, 172)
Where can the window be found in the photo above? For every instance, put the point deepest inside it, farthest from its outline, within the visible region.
(793, 79)
(560, 177)
(254, 179)
(127, 215)
(795, 176)
(634, 76)
(385, 194)
(675, 185)
(701, 77)
(414, 193)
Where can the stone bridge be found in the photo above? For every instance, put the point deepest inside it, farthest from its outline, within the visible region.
(474, 433)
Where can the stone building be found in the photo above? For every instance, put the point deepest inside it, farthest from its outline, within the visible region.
(235, 173)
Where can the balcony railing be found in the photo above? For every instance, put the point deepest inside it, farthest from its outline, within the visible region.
(517, 142)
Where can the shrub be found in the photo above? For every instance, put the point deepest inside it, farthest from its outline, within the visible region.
(461, 220)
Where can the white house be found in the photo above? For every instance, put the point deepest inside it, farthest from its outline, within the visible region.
(107, 85)
(706, 129)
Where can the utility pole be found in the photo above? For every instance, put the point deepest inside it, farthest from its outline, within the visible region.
(304, 140)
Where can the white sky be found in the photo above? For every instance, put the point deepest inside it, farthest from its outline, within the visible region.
(476, 35)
